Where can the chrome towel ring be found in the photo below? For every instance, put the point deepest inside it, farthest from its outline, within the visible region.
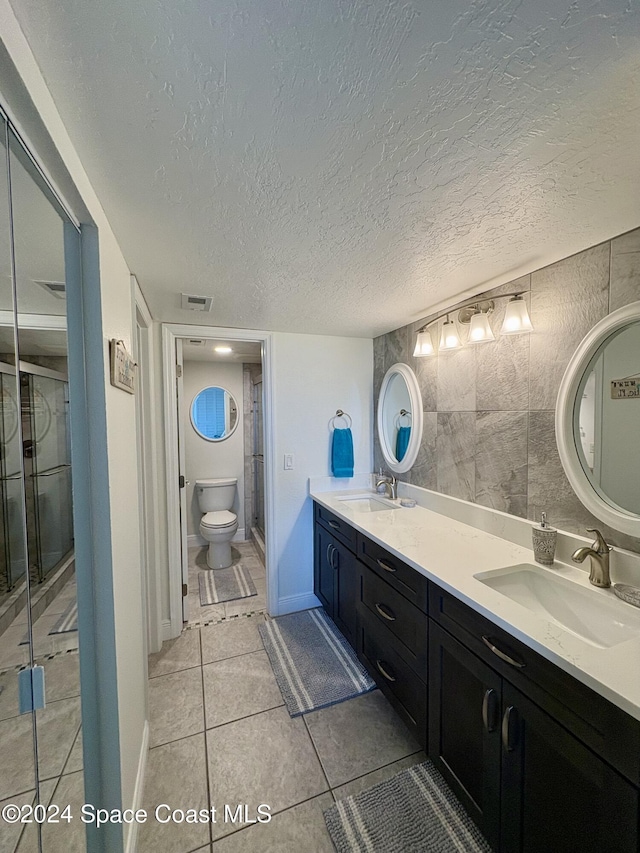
(403, 413)
(340, 414)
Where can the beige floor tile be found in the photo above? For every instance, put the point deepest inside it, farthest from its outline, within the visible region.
(363, 783)
(17, 770)
(301, 828)
(356, 737)
(176, 775)
(57, 726)
(238, 687)
(183, 652)
(75, 760)
(10, 832)
(67, 837)
(237, 637)
(175, 706)
(267, 758)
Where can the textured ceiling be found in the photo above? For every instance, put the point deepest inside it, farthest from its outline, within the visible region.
(342, 166)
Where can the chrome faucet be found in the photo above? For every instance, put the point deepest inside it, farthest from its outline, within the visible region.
(390, 486)
(599, 553)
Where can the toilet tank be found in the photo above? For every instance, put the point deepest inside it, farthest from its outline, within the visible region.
(216, 494)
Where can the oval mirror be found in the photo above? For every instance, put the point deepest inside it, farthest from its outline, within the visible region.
(598, 420)
(400, 418)
(214, 413)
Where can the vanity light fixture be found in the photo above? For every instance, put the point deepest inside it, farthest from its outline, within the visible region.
(516, 318)
(476, 316)
(450, 339)
(223, 350)
(424, 344)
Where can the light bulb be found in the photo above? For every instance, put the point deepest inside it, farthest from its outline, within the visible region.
(480, 331)
(424, 344)
(516, 318)
(450, 339)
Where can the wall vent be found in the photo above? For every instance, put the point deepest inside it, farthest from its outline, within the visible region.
(195, 342)
(55, 288)
(196, 303)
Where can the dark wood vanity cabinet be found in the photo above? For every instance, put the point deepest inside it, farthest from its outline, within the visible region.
(518, 766)
(541, 762)
(335, 574)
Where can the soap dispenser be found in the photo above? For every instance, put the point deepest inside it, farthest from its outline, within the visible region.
(544, 542)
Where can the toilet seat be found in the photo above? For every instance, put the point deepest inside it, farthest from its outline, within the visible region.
(218, 520)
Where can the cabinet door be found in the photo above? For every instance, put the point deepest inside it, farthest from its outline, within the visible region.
(345, 585)
(557, 795)
(323, 570)
(464, 728)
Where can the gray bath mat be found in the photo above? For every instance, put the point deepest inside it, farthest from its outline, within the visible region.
(314, 665)
(68, 621)
(217, 585)
(412, 812)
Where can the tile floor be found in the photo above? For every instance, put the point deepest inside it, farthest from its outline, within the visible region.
(58, 729)
(220, 735)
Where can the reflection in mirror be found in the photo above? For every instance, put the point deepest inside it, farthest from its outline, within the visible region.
(214, 413)
(400, 418)
(43, 238)
(607, 419)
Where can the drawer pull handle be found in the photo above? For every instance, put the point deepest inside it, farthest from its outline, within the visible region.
(385, 612)
(501, 654)
(489, 709)
(384, 672)
(334, 524)
(507, 742)
(386, 566)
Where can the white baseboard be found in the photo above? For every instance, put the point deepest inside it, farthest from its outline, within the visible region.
(194, 539)
(293, 603)
(132, 837)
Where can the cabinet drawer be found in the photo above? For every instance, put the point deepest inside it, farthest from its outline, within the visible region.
(602, 726)
(406, 580)
(377, 649)
(397, 614)
(337, 527)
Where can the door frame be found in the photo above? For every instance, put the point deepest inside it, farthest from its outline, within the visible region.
(143, 353)
(170, 332)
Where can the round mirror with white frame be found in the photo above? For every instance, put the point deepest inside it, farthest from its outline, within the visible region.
(598, 420)
(400, 418)
(214, 413)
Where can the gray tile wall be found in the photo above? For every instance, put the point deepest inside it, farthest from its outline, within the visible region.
(489, 432)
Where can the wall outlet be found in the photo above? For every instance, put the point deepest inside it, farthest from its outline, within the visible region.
(288, 461)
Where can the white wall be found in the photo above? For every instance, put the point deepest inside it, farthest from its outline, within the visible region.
(124, 676)
(313, 376)
(212, 458)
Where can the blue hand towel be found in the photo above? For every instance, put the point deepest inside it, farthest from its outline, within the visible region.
(342, 453)
(402, 441)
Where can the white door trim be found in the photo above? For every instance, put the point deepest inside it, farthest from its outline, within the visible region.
(149, 444)
(171, 331)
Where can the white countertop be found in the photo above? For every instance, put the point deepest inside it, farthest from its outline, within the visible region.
(450, 553)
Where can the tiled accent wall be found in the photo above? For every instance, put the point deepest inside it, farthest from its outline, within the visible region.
(249, 372)
(489, 433)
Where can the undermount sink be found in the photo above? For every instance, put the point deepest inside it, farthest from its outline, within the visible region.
(368, 503)
(596, 616)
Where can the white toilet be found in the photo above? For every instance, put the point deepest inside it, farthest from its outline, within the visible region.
(218, 524)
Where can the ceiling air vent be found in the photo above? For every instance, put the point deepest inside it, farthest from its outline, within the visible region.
(195, 342)
(55, 288)
(196, 303)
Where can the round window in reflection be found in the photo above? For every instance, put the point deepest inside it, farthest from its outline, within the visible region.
(214, 413)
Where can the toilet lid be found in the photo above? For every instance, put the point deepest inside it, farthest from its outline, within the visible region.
(221, 518)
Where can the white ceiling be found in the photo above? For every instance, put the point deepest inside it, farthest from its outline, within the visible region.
(341, 167)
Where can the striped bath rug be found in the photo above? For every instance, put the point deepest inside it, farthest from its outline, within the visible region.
(217, 585)
(412, 812)
(314, 665)
(68, 621)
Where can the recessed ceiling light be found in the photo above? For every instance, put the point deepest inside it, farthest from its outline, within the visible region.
(223, 350)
